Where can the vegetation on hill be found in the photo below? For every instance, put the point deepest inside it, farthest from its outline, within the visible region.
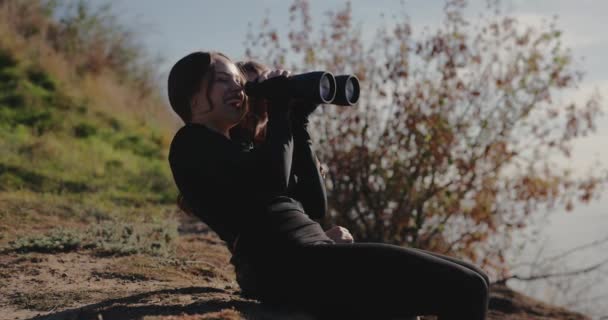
(84, 136)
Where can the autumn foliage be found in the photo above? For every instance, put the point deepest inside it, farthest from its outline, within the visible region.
(452, 145)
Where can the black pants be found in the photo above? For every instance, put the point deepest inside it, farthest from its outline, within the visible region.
(368, 281)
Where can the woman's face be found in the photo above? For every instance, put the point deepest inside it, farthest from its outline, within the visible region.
(225, 94)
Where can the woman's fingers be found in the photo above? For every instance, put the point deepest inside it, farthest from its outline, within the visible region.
(346, 235)
(277, 73)
(263, 76)
(272, 73)
(340, 235)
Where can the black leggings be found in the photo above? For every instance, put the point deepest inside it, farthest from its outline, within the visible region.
(371, 280)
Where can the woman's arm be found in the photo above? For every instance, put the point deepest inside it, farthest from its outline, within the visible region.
(272, 160)
(310, 187)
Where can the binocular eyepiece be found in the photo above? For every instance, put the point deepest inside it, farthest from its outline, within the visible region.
(315, 87)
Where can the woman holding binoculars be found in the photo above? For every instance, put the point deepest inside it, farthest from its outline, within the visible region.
(244, 164)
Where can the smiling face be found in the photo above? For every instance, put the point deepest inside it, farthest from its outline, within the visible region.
(220, 101)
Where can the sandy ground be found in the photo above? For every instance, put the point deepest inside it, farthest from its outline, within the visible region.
(81, 285)
(199, 285)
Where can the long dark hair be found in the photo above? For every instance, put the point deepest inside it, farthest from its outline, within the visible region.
(244, 131)
(185, 79)
(181, 203)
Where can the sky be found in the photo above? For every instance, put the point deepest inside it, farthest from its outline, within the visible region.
(173, 29)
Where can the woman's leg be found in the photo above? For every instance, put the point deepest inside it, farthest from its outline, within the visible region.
(373, 279)
(460, 262)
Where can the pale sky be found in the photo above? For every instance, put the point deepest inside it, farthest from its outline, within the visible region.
(172, 29)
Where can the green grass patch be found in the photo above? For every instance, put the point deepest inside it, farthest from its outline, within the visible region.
(14, 177)
(62, 150)
(59, 240)
(109, 238)
(142, 146)
(6, 59)
(84, 130)
(61, 159)
(38, 77)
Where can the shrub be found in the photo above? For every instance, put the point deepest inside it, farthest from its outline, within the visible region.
(84, 130)
(139, 146)
(40, 78)
(111, 237)
(59, 240)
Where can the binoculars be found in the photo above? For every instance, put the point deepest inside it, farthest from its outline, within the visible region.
(316, 87)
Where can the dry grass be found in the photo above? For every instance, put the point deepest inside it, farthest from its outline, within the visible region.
(102, 85)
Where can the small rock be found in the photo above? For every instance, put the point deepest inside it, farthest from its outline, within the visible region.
(36, 259)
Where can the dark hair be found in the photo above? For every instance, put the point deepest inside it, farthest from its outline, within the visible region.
(181, 203)
(242, 132)
(185, 79)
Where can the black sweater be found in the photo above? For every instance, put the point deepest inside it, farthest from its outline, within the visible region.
(236, 189)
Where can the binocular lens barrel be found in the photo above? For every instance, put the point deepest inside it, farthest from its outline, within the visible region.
(348, 90)
(316, 87)
(327, 89)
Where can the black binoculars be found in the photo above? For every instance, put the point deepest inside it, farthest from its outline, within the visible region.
(315, 87)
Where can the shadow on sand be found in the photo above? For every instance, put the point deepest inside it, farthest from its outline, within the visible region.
(145, 304)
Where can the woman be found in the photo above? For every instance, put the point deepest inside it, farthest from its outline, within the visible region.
(282, 256)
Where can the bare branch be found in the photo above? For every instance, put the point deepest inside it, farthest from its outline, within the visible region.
(555, 275)
(576, 249)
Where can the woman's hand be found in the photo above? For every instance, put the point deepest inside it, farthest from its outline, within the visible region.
(340, 235)
(256, 119)
(274, 86)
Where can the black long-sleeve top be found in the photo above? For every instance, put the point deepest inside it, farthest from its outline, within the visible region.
(239, 190)
(306, 183)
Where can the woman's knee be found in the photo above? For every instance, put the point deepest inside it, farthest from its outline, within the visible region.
(485, 277)
(476, 286)
(462, 263)
(481, 273)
